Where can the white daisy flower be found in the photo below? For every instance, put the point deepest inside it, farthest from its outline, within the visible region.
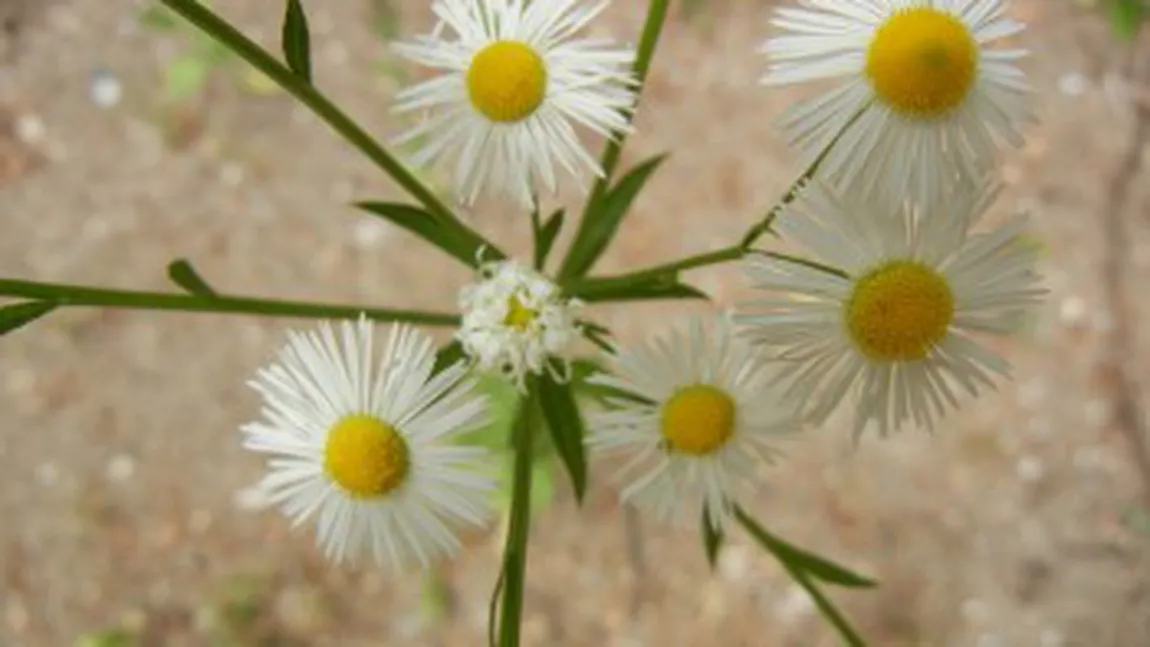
(701, 413)
(515, 319)
(514, 82)
(933, 100)
(364, 444)
(894, 333)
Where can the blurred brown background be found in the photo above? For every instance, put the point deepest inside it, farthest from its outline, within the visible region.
(123, 145)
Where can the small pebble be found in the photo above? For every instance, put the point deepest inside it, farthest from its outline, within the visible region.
(1072, 84)
(120, 468)
(1029, 469)
(105, 89)
(30, 129)
(47, 474)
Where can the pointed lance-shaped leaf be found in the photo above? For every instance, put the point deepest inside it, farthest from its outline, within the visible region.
(663, 287)
(566, 425)
(19, 315)
(423, 224)
(297, 40)
(605, 218)
(712, 539)
(545, 237)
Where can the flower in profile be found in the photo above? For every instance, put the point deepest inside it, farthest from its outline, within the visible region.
(515, 320)
(363, 443)
(895, 331)
(697, 413)
(514, 81)
(926, 99)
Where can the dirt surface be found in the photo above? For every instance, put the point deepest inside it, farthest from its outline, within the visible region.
(121, 474)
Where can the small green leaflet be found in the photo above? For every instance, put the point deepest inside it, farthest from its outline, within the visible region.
(604, 220)
(296, 40)
(21, 314)
(184, 275)
(712, 539)
(545, 237)
(566, 426)
(425, 225)
(665, 287)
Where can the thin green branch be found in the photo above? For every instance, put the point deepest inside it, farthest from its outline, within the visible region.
(77, 295)
(796, 260)
(229, 36)
(796, 188)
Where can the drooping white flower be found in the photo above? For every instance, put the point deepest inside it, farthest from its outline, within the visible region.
(363, 443)
(934, 100)
(515, 319)
(896, 334)
(701, 414)
(514, 82)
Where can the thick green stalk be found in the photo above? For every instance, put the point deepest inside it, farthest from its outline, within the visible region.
(229, 36)
(778, 548)
(77, 295)
(652, 29)
(515, 552)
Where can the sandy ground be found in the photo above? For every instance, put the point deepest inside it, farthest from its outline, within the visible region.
(120, 465)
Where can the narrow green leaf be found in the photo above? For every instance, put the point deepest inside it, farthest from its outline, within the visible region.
(567, 431)
(712, 540)
(545, 237)
(643, 290)
(184, 275)
(604, 220)
(297, 40)
(21, 314)
(423, 224)
(801, 560)
(1126, 17)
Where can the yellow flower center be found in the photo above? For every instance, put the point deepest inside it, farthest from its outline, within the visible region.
(899, 311)
(698, 420)
(922, 62)
(507, 81)
(366, 457)
(519, 316)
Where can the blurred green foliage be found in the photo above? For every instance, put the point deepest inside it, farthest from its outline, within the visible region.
(1127, 17)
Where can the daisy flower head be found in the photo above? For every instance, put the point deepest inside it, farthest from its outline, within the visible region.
(515, 320)
(702, 413)
(514, 81)
(925, 98)
(895, 332)
(362, 442)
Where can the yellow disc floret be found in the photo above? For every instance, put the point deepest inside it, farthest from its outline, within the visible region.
(899, 311)
(922, 62)
(698, 420)
(507, 81)
(366, 457)
(518, 316)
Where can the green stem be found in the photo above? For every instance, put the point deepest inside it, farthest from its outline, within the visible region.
(229, 36)
(77, 295)
(665, 270)
(764, 225)
(780, 549)
(515, 552)
(796, 260)
(652, 29)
